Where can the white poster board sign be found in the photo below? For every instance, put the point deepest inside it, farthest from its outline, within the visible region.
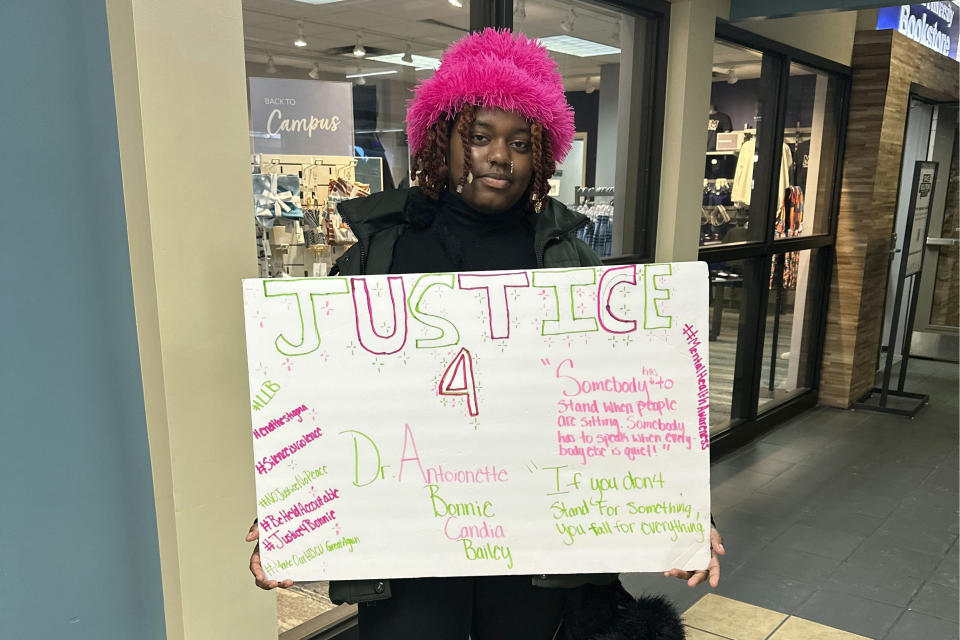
(525, 422)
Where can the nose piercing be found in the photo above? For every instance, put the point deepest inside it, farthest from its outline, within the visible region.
(511, 167)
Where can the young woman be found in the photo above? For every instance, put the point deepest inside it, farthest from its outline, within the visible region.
(486, 131)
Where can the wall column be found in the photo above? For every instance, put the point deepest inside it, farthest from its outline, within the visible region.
(178, 70)
(885, 65)
(689, 70)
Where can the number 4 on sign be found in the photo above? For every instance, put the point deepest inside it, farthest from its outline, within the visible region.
(458, 380)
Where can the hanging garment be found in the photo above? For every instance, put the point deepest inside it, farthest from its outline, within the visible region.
(802, 158)
(743, 178)
(717, 122)
(743, 175)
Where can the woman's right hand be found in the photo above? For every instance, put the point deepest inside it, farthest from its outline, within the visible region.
(256, 569)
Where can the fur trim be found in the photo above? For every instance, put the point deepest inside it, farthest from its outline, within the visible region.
(494, 69)
(609, 612)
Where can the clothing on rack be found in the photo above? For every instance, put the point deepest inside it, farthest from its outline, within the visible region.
(801, 156)
(743, 178)
(718, 213)
(598, 232)
(789, 224)
(789, 219)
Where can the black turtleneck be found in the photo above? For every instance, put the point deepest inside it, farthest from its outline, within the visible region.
(459, 238)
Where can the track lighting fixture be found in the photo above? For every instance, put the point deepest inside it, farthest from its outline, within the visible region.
(271, 68)
(358, 50)
(315, 71)
(408, 53)
(567, 24)
(732, 76)
(590, 88)
(520, 8)
(300, 42)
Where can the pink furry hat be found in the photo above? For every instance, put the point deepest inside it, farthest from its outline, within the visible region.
(494, 69)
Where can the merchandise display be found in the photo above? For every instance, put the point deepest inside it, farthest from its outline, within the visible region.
(299, 232)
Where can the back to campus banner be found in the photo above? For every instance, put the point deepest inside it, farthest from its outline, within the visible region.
(502, 422)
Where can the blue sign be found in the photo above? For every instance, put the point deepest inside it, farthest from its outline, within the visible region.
(933, 24)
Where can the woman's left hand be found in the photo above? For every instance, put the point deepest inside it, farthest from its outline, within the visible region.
(712, 571)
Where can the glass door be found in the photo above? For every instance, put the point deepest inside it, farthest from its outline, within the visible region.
(935, 331)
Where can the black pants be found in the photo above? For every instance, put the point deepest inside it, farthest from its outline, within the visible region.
(481, 608)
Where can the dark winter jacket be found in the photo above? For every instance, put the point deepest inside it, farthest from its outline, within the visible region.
(378, 221)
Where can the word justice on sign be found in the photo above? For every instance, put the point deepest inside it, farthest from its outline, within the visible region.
(406, 307)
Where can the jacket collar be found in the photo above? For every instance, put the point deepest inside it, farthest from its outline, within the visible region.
(368, 216)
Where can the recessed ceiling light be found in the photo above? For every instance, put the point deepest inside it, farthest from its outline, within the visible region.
(577, 46)
(417, 62)
(300, 42)
(365, 74)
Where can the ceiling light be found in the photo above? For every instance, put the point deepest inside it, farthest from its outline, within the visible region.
(271, 68)
(520, 8)
(361, 74)
(408, 54)
(590, 88)
(732, 76)
(315, 71)
(567, 24)
(358, 50)
(417, 62)
(361, 80)
(577, 46)
(300, 42)
(456, 3)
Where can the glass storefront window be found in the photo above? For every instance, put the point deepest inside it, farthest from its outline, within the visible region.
(729, 213)
(351, 64)
(807, 166)
(596, 51)
(400, 44)
(791, 313)
(727, 304)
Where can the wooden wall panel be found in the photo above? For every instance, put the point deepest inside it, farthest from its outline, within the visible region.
(886, 67)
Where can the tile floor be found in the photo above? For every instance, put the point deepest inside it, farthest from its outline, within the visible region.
(847, 519)
(839, 525)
